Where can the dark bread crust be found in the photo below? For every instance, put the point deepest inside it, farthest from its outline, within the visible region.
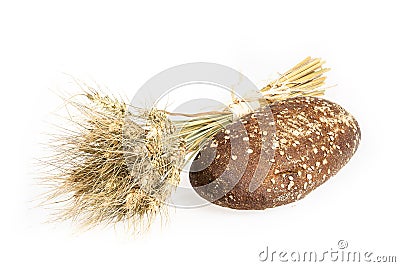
(304, 142)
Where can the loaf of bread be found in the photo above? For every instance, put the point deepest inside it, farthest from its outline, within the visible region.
(276, 155)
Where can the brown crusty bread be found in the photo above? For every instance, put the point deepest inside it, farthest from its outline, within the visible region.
(276, 155)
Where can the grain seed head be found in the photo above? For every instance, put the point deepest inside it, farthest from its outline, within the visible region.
(115, 165)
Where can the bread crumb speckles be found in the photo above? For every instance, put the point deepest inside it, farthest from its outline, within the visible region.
(275, 144)
(290, 185)
(305, 185)
(214, 144)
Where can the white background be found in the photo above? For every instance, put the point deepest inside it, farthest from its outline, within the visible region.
(121, 44)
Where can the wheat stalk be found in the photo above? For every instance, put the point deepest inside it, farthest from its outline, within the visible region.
(304, 79)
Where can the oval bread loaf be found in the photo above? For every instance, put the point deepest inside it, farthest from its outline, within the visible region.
(301, 143)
